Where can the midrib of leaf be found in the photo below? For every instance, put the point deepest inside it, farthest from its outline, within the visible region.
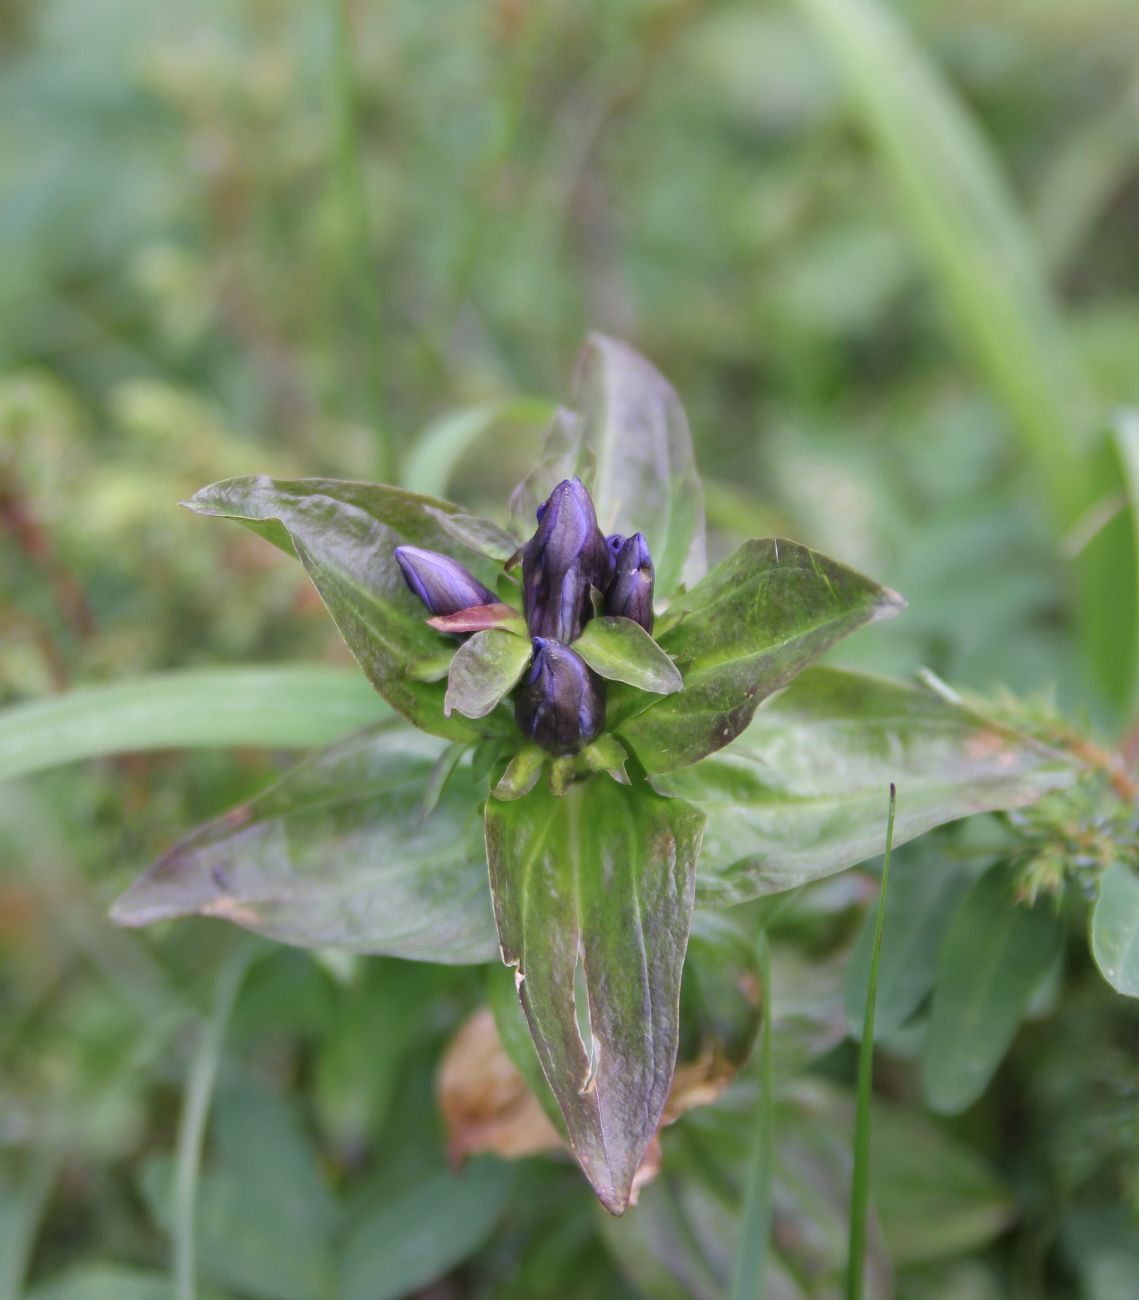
(710, 663)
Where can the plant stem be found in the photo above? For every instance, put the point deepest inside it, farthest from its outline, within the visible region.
(195, 1113)
(358, 274)
(860, 1176)
(755, 1225)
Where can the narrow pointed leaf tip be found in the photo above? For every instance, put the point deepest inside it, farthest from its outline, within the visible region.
(335, 856)
(635, 430)
(603, 880)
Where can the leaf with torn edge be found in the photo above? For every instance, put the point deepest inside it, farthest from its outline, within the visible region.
(598, 887)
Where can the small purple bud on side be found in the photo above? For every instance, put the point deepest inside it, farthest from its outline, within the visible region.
(561, 702)
(630, 594)
(566, 556)
(443, 585)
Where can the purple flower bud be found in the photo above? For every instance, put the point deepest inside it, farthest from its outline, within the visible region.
(565, 557)
(443, 585)
(631, 592)
(561, 702)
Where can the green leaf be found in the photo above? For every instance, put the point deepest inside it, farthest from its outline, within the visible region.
(484, 671)
(1106, 542)
(399, 1243)
(521, 773)
(623, 651)
(603, 876)
(994, 958)
(345, 535)
(106, 1282)
(266, 1214)
(562, 456)
(476, 534)
(680, 1241)
(277, 707)
(607, 754)
(799, 795)
(754, 623)
(645, 478)
(720, 996)
(336, 855)
(514, 1033)
(934, 1196)
(1115, 929)
(924, 892)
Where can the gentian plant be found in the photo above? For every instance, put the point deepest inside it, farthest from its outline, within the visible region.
(575, 764)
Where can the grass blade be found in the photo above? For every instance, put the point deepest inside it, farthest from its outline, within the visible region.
(195, 1114)
(860, 1177)
(971, 232)
(288, 707)
(755, 1225)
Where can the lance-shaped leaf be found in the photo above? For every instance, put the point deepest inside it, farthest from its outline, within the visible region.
(484, 670)
(645, 478)
(799, 795)
(598, 885)
(1115, 929)
(623, 651)
(996, 956)
(338, 854)
(754, 623)
(345, 534)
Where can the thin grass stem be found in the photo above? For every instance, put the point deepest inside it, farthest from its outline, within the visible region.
(860, 1176)
(195, 1113)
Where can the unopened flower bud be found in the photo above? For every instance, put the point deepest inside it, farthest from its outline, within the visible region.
(566, 556)
(561, 702)
(630, 594)
(443, 585)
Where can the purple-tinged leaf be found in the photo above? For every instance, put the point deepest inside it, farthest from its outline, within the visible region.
(478, 619)
(338, 854)
(645, 478)
(563, 456)
(600, 881)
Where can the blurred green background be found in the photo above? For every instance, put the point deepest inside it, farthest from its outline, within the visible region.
(886, 252)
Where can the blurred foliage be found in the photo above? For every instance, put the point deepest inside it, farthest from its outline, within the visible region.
(237, 237)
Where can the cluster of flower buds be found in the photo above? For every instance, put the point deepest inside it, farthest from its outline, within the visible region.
(569, 570)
